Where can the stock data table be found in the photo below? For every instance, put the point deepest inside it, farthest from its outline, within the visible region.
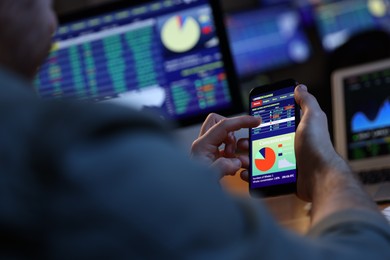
(113, 62)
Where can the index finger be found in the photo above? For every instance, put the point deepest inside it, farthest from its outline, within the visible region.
(210, 121)
(219, 132)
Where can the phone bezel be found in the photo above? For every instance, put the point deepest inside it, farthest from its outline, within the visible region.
(281, 189)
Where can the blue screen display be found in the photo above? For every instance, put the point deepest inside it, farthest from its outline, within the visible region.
(367, 111)
(266, 39)
(340, 20)
(272, 143)
(162, 54)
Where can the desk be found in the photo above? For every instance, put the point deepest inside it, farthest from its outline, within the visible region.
(290, 211)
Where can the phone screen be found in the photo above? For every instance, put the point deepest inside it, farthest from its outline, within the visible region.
(272, 143)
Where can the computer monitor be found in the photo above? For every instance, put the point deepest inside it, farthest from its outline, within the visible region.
(361, 119)
(266, 39)
(304, 7)
(361, 106)
(339, 20)
(172, 56)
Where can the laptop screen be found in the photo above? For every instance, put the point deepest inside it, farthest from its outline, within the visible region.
(367, 111)
(166, 56)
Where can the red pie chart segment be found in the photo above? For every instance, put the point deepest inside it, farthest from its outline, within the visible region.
(265, 159)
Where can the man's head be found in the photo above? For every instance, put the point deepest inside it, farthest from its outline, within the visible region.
(26, 27)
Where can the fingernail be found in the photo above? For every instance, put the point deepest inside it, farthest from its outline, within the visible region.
(302, 87)
(259, 117)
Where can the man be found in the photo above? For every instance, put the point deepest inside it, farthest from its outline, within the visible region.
(90, 181)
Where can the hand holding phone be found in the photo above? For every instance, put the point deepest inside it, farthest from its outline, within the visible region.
(272, 169)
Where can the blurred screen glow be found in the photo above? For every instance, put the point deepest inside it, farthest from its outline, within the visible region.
(338, 21)
(266, 39)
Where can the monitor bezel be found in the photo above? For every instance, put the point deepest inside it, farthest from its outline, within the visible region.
(236, 106)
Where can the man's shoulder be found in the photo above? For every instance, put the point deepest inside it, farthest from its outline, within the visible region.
(12, 86)
(57, 119)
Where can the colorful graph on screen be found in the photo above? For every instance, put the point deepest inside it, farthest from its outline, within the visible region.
(275, 154)
(360, 121)
(367, 110)
(272, 142)
(265, 159)
(180, 33)
(166, 59)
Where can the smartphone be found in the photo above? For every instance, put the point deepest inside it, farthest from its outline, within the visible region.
(273, 169)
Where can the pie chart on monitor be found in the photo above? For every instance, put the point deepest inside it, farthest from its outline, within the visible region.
(180, 33)
(265, 159)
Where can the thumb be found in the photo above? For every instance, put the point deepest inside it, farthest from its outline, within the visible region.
(305, 100)
(227, 166)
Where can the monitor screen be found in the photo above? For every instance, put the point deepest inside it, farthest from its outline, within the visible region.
(165, 55)
(338, 21)
(267, 39)
(304, 7)
(367, 106)
(274, 2)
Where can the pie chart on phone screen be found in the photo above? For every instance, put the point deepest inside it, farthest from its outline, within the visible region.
(265, 159)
